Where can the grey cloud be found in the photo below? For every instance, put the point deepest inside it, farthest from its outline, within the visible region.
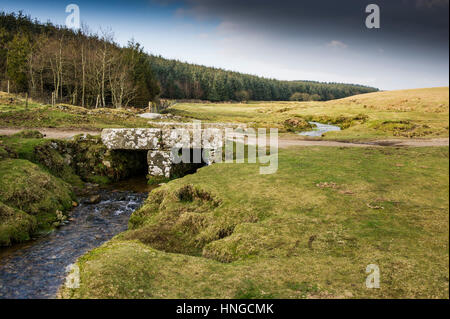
(420, 21)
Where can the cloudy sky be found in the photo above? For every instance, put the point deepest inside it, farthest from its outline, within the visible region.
(323, 40)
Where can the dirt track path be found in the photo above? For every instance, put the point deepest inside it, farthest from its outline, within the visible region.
(282, 142)
(51, 132)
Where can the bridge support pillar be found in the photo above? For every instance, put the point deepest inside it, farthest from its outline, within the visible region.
(160, 163)
(159, 143)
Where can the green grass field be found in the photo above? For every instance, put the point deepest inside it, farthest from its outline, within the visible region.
(420, 113)
(308, 231)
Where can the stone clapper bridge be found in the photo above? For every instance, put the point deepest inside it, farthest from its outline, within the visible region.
(168, 145)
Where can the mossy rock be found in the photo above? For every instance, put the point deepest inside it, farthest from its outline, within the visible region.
(86, 158)
(26, 186)
(57, 157)
(179, 220)
(297, 124)
(15, 225)
(95, 163)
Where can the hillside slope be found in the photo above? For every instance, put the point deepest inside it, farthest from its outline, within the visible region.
(180, 80)
(434, 100)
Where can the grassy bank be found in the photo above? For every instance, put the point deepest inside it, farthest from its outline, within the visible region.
(38, 179)
(14, 112)
(308, 231)
(31, 200)
(421, 113)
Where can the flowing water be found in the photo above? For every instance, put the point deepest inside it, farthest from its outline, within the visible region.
(320, 129)
(38, 268)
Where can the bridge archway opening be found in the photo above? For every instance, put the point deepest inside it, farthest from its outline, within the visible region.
(190, 164)
(133, 163)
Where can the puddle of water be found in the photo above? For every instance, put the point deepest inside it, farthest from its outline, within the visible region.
(320, 129)
(38, 268)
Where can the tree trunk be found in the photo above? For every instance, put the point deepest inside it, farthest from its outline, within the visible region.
(83, 76)
(103, 76)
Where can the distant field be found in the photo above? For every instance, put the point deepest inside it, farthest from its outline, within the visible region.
(420, 113)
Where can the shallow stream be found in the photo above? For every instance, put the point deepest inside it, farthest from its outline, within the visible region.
(38, 268)
(320, 129)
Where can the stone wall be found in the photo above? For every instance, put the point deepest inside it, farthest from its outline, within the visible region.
(165, 144)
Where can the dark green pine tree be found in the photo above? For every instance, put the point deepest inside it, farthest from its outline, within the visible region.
(18, 51)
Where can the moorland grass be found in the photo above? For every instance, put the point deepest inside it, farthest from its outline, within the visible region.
(308, 231)
(420, 113)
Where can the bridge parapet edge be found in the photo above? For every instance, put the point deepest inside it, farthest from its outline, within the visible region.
(162, 138)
